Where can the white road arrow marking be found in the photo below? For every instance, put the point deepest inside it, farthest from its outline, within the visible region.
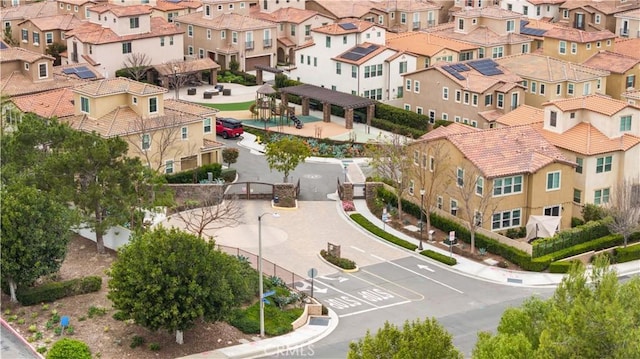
(339, 279)
(304, 285)
(425, 267)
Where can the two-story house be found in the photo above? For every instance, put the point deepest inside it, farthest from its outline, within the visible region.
(354, 60)
(472, 92)
(112, 33)
(229, 38)
(172, 9)
(628, 23)
(495, 31)
(432, 48)
(546, 78)
(13, 15)
(522, 173)
(79, 8)
(467, 4)
(293, 30)
(624, 70)
(575, 45)
(549, 10)
(37, 34)
(535, 30)
(594, 15)
(167, 135)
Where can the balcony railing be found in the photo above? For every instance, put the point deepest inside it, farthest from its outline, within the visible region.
(249, 45)
(267, 43)
(416, 25)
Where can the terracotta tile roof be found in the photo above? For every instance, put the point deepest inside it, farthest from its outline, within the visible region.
(494, 12)
(20, 54)
(90, 60)
(363, 59)
(540, 67)
(482, 36)
(122, 120)
(285, 41)
(187, 66)
(78, 2)
(587, 140)
(505, 151)
(15, 83)
(580, 36)
(118, 85)
(405, 5)
(164, 5)
(454, 128)
(545, 2)
(346, 8)
(611, 7)
(633, 95)
(523, 115)
(629, 47)
(210, 144)
(491, 115)
(91, 33)
(33, 10)
(541, 24)
(426, 44)
(58, 70)
(611, 61)
(286, 14)
(595, 103)
(335, 29)
(122, 11)
(56, 22)
(631, 14)
(55, 103)
(228, 21)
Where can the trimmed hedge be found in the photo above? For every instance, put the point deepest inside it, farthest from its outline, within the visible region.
(364, 223)
(627, 254)
(594, 245)
(439, 257)
(50, 292)
(228, 175)
(561, 266)
(570, 237)
(343, 263)
(195, 175)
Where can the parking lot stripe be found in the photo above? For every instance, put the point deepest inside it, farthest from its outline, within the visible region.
(419, 274)
(345, 293)
(372, 309)
(421, 297)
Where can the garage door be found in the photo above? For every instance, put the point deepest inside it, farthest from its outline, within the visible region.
(251, 62)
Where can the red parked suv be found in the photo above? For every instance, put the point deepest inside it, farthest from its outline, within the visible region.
(228, 127)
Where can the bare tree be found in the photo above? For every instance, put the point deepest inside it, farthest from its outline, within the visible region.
(431, 174)
(162, 135)
(390, 159)
(180, 73)
(212, 213)
(471, 189)
(136, 65)
(624, 208)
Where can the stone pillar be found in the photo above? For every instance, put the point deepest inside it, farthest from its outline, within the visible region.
(370, 190)
(371, 112)
(347, 191)
(305, 106)
(286, 193)
(259, 77)
(326, 112)
(348, 118)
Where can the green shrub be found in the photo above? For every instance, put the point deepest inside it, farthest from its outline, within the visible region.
(364, 223)
(277, 322)
(570, 237)
(69, 349)
(594, 245)
(228, 174)
(96, 311)
(195, 175)
(120, 315)
(576, 222)
(137, 341)
(154, 347)
(627, 254)
(343, 263)
(439, 257)
(52, 291)
(592, 212)
(562, 266)
(515, 233)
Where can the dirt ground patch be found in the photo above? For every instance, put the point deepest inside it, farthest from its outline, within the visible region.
(107, 337)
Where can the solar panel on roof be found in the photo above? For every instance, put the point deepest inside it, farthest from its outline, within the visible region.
(486, 67)
(453, 72)
(82, 68)
(352, 56)
(86, 75)
(69, 71)
(347, 26)
(3, 45)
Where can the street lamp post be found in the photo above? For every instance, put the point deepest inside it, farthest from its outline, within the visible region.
(260, 282)
(422, 192)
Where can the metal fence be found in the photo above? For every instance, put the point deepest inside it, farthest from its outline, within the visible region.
(268, 268)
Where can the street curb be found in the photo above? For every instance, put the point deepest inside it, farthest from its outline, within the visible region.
(336, 267)
(19, 336)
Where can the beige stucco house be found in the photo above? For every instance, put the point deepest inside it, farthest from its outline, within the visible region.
(575, 45)
(624, 71)
(38, 33)
(431, 48)
(594, 15)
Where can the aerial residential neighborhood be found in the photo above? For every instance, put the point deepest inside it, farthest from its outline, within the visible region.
(456, 140)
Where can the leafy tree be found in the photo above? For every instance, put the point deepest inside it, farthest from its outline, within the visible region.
(167, 279)
(230, 155)
(136, 65)
(35, 234)
(67, 348)
(55, 49)
(391, 159)
(592, 212)
(624, 209)
(416, 339)
(285, 154)
(591, 315)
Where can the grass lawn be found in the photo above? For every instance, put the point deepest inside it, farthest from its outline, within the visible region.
(237, 106)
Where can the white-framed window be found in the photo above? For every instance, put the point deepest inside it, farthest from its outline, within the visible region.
(460, 24)
(445, 116)
(146, 141)
(603, 164)
(190, 30)
(407, 107)
(445, 93)
(580, 164)
(416, 86)
(507, 185)
(534, 88)
(588, 46)
(598, 44)
(242, 5)
(207, 10)
(206, 125)
(134, 23)
(457, 119)
(558, 89)
(190, 50)
(453, 207)
(553, 181)
(408, 87)
(184, 133)
(458, 96)
(608, 42)
(126, 47)
(480, 186)
(542, 89)
(354, 72)
(625, 123)
(574, 48)
(161, 41)
(48, 38)
(419, 110)
(500, 100)
(403, 18)
(562, 47)
(223, 34)
(416, 157)
(208, 34)
(524, 48)
(84, 104)
(565, 14)
(234, 37)
(432, 116)
(439, 202)
(134, 101)
(338, 68)
(170, 40)
(601, 196)
(466, 98)
(577, 195)
(412, 187)
(586, 88)
(552, 210)
(497, 52)
(459, 177)
(511, 25)
(488, 99)
(506, 219)
(553, 119)
(153, 105)
(432, 164)
(474, 123)
(570, 89)
(43, 71)
(201, 53)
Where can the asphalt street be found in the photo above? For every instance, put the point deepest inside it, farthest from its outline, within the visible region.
(13, 347)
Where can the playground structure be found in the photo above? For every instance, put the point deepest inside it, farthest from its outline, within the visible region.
(267, 109)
